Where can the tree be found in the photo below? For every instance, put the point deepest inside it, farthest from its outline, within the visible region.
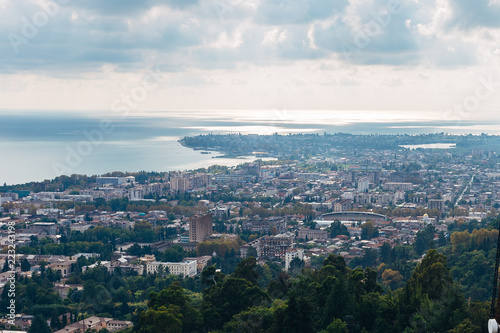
(55, 323)
(175, 296)
(432, 277)
(6, 266)
(337, 326)
(367, 230)
(299, 314)
(252, 252)
(296, 264)
(337, 228)
(391, 278)
(210, 276)
(255, 319)
(25, 265)
(164, 319)
(386, 253)
(223, 300)
(424, 239)
(162, 271)
(246, 270)
(39, 325)
(338, 262)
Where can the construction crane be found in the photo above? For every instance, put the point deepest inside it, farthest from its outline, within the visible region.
(493, 323)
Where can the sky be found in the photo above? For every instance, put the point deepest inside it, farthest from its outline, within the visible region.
(436, 59)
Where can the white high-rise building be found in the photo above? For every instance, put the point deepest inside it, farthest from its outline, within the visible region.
(363, 184)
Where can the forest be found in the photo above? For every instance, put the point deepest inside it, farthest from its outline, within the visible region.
(437, 284)
(247, 297)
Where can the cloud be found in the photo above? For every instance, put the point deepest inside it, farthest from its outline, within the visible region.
(474, 14)
(372, 34)
(127, 7)
(223, 34)
(297, 12)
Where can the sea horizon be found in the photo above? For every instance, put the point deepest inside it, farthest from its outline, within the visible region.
(40, 146)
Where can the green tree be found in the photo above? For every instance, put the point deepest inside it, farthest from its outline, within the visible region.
(386, 253)
(25, 265)
(162, 320)
(246, 269)
(223, 300)
(252, 252)
(337, 326)
(39, 325)
(337, 228)
(367, 230)
(6, 266)
(424, 239)
(176, 296)
(432, 277)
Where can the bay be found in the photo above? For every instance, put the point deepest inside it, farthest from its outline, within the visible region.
(38, 145)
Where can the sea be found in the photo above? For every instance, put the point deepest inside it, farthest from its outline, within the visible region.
(37, 145)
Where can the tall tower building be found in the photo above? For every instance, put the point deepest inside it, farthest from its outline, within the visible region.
(200, 227)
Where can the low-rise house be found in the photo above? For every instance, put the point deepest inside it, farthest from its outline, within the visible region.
(64, 267)
(115, 325)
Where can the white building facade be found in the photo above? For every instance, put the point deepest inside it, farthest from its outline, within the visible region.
(292, 254)
(186, 268)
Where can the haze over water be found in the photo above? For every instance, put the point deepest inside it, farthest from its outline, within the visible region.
(32, 143)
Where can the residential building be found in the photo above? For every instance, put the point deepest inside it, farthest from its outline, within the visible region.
(64, 267)
(393, 186)
(363, 184)
(312, 234)
(179, 184)
(275, 246)
(343, 205)
(264, 225)
(115, 325)
(436, 204)
(200, 227)
(44, 228)
(292, 254)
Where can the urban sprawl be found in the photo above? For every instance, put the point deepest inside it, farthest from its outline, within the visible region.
(291, 209)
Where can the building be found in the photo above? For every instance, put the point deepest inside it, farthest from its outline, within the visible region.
(393, 186)
(44, 228)
(148, 258)
(179, 184)
(95, 323)
(343, 205)
(264, 225)
(201, 262)
(185, 268)
(115, 180)
(64, 267)
(292, 254)
(254, 244)
(436, 204)
(63, 289)
(311, 234)
(80, 226)
(200, 227)
(275, 247)
(115, 325)
(363, 184)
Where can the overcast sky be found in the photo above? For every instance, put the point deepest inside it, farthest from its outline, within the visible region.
(425, 57)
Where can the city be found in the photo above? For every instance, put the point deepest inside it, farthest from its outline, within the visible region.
(288, 213)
